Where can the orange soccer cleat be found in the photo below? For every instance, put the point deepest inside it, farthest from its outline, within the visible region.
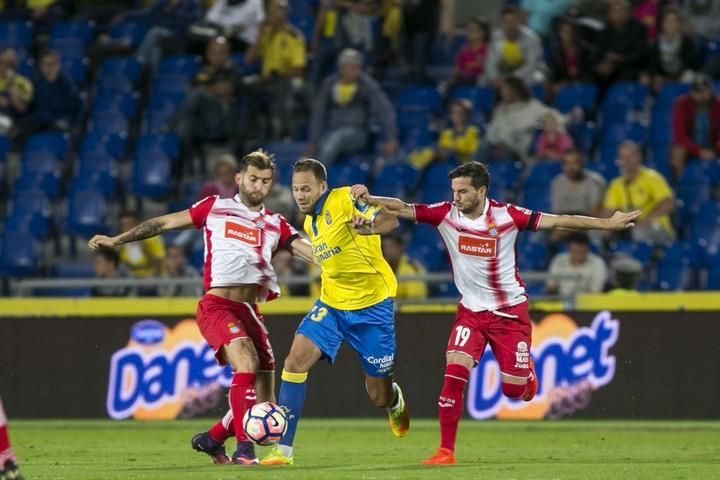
(443, 456)
(532, 384)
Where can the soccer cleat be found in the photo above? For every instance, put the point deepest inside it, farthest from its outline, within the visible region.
(531, 387)
(443, 456)
(216, 451)
(11, 471)
(398, 417)
(245, 454)
(276, 457)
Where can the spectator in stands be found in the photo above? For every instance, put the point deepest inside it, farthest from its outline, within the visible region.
(340, 24)
(570, 57)
(590, 268)
(625, 274)
(393, 248)
(514, 121)
(554, 141)
(45, 14)
(16, 91)
(168, 20)
(672, 56)
(175, 266)
(280, 48)
(695, 125)
(343, 110)
(421, 20)
(238, 20)
(461, 140)
(210, 112)
(56, 104)
(621, 46)
(223, 183)
(577, 191)
(143, 259)
(541, 13)
(703, 17)
(647, 13)
(107, 266)
(471, 59)
(515, 50)
(645, 189)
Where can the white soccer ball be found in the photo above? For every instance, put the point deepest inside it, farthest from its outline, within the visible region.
(264, 423)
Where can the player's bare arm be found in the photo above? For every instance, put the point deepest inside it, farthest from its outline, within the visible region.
(393, 206)
(147, 229)
(301, 248)
(618, 221)
(383, 223)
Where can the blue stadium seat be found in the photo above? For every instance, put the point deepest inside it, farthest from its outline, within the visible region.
(47, 181)
(532, 255)
(96, 144)
(537, 198)
(87, 213)
(669, 93)
(617, 134)
(160, 111)
(417, 138)
(125, 104)
(692, 191)
(711, 263)
(152, 166)
(622, 99)
(16, 34)
(75, 69)
(55, 144)
(581, 95)
(441, 54)
(506, 173)
(129, 33)
(583, 135)
(395, 180)
(29, 211)
(97, 172)
(70, 39)
(118, 75)
(19, 256)
(638, 250)
(304, 23)
(72, 269)
(109, 123)
(5, 145)
(705, 228)
(542, 175)
(349, 174)
(175, 73)
(674, 270)
(483, 98)
(419, 100)
(426, 247)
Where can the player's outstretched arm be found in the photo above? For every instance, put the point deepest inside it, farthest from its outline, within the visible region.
(383, 223)
(148, 228)
(618, 221)
(393, 206)
(301, 248)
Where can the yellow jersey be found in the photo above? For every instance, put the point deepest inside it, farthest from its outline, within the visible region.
(282, 50)
(354, 273)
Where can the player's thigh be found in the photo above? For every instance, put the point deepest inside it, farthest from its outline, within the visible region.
(265, 386)
(220, 326)
(467, 341)
(318, 336)
(371, 333)
(240, 353)
(254, 325)
(510, 338)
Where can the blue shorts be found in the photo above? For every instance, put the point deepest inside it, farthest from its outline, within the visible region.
(369, 331)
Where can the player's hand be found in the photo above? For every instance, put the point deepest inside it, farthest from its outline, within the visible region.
(623, 220)
(362, 225)
(101, 241)
(360, 192)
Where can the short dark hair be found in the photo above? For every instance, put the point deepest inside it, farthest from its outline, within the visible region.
(311, 165)
(259, 159)
(575, 151)
(108, 254)
(478, 173)
(482, 24)
(465, 104)
(509, 10)
(580, 238)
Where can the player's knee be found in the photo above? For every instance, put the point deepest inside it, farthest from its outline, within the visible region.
(512, 390)
(295, 364)
(242, 356)
(380, 397)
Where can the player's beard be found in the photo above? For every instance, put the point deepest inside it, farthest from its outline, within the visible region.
(472, 207)
(251, 199)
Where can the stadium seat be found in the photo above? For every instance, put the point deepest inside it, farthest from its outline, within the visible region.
(532, 256)
(118, 75)
(129, 33)
(19, 256)
(73, 269)
(97, 144)
(621, 101)
(349, 174)
(426, 247)
(542, 174)
(160, 111)
(507, 173)
(711, 264)
(581, 95)
(16, 35)
(87, 213)
(483, 98)
(70, 39)
(417, 138)
(97, 172)
(174, 74)
(76, 70)
(537, 198)
(617, 134)
(395, 180)
(5, 145)
(674, 270)
(125, 104)
(583, 135)
(422, 100)
(109, 123)
(47, 181)
(152, 166)
(304, 23)
(640, 251)
(705, 228)
(53, 143)
(29, 211)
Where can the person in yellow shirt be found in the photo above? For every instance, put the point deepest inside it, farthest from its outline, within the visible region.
(645, 189)
(355, 305)
(16, 91)
(280, 49)
(393, 248)
(461, 139)
(143, 259)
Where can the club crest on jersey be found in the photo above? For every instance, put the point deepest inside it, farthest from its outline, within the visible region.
(477, 247)
(260, 224)
(492, 230)
(328, 218)
(233, 328)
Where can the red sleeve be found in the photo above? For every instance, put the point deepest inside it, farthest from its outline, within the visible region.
(200, 210)
(679, 127)
(431, 214)
(525, 219)
(288, 234)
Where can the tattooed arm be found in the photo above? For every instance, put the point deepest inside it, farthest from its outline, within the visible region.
(148, 228)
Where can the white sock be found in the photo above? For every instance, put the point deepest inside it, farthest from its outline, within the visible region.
(286, 450)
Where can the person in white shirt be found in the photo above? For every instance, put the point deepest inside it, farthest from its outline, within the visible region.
(589, 268)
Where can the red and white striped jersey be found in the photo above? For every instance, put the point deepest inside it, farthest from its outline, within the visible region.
(482, 251)
(239, 244)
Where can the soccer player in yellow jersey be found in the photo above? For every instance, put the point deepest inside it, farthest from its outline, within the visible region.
(355, 303)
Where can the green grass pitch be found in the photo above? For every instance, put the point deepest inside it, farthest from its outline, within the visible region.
(365, 449)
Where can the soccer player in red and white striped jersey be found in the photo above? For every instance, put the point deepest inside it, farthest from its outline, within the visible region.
(480, 235)
(8, 462)
(240, 239)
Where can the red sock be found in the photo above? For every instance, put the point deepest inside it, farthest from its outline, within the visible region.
(242, 397)
(223, 429)
(450, 404)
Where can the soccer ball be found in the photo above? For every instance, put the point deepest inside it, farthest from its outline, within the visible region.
(264, 423)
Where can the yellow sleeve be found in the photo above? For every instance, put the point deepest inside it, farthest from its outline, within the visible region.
(613, 196)
(467, 145)
(25, 87)
(659, 186)
(446, 139)
(155, 247)
(298, 55)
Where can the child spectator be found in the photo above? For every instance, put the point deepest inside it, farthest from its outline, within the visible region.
(554, 141)
(461, 139)
(470, 61)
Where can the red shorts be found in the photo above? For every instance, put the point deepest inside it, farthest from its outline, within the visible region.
(222, 321)
(508, 331)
